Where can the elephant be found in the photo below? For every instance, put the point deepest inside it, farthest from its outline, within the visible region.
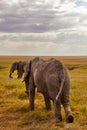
(19, 66)
(51, 78)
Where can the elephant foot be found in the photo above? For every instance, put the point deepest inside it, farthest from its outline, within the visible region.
(31, 107)
(59, 118)
(70, 119)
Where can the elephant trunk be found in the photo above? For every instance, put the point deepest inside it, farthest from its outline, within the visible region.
(10, 75)
(19, 74)
(19, 77)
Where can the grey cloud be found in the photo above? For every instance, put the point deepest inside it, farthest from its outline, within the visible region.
(28, 16)
(26, 21)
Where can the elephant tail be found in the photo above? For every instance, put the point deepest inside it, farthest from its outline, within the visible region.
(61, 85)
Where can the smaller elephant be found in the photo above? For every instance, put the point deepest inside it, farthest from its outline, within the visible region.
(20, 68)
(52, 80)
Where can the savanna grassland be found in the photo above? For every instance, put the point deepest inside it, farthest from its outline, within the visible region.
(14, 103)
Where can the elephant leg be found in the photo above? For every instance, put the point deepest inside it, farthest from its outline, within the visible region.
(47, 101)
(57, 107)
(31, 98)
(27, 87)
(68, 112)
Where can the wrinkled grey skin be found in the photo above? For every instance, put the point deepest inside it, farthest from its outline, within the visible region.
(19, 66)
(52, 80)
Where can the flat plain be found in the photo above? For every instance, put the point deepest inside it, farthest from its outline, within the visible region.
(14, 103)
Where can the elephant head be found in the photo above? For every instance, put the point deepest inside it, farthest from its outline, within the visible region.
(19, 66)
(22, 67)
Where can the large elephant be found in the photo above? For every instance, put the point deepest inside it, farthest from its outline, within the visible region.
(52, 80)
(19, 66)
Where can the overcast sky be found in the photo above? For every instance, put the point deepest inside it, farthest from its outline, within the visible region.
(43, 27)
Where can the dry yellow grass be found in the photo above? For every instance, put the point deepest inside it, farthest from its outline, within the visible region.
(14, 104)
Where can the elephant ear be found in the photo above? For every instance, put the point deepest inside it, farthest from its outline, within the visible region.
(27, 70)
(14, 67)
